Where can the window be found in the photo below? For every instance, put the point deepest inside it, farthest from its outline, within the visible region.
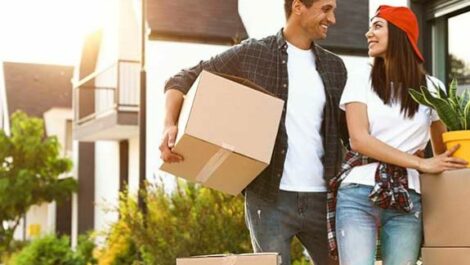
(458, 50)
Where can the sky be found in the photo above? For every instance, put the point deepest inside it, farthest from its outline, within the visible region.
(51, 31)
(46, 31)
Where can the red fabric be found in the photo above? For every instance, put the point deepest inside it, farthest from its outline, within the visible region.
(404, 19)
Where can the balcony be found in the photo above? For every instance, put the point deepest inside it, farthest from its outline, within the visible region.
(106, 103)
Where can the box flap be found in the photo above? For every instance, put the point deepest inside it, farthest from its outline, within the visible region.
(230, 173)
(227, 113)
(230, 259)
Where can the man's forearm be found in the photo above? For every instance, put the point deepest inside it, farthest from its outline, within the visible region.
(173, 102)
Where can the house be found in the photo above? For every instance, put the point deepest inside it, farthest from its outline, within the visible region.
(180, 33)
(42, 91)
(107, 80)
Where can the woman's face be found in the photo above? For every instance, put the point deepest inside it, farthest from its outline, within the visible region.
(377, 37)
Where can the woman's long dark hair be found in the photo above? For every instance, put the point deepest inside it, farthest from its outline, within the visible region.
(401, 70)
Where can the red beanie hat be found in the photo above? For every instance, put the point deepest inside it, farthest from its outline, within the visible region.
(404, 19)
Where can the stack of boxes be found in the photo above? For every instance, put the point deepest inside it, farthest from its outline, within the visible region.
(446, 209)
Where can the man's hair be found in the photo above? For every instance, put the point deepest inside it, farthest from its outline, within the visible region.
(392, 78)
(288, 6)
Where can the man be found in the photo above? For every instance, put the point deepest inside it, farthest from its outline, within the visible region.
(288, 198)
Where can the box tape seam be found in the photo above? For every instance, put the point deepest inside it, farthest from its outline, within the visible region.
(214, 162)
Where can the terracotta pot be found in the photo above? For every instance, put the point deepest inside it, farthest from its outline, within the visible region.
(459, 137)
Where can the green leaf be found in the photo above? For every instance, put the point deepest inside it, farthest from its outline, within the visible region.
(445, 110)
(453, 90)
(418, 97)
(467, 116)
(464, 98)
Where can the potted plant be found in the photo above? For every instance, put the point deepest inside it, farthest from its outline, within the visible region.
(454, 112)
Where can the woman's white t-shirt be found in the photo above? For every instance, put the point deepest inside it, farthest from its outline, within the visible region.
(388, 124)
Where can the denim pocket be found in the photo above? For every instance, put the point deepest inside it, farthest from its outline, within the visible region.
(348, 185)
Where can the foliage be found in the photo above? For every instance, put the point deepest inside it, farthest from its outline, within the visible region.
(192, 220)
(48, 250)
(453, 110)
(30, 165)
(458, 69)
(52, 250)
(85, 249)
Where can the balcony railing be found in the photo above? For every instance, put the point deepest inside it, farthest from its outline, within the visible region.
(116, 88)
(106, 103)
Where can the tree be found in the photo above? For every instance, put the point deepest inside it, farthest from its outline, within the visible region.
(458, 69)
(30, 166)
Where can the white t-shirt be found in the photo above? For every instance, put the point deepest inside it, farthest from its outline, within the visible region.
(303, 168)
(388, 124)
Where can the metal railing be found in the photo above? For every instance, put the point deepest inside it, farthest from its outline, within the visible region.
(115, 88)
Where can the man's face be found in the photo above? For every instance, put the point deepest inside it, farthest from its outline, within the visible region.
(316, 19)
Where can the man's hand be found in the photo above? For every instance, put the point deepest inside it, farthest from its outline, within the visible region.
(167, 144)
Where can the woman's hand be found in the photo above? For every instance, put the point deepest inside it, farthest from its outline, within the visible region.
(442, 162)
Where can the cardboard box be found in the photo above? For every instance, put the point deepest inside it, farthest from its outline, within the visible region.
(446, 256)
(446, 209)
(227, 132)
(242, 259)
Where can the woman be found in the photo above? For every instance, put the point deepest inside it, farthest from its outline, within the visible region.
(377, 192)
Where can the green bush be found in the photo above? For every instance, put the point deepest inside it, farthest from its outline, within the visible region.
(52, 250)
(48, 250)
(192, 220)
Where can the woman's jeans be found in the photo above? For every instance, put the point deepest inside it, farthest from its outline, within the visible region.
(358, 221)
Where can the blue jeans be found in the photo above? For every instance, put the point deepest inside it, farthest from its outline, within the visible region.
(358, 220)
(273, 225)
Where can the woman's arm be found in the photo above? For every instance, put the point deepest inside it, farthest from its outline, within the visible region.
(364, 143)
(437, 129)
(361, 141)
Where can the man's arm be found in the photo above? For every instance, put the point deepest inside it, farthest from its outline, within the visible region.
(177, 86)
(173, 102)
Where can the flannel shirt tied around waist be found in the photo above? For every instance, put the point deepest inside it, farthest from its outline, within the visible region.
(390, 190)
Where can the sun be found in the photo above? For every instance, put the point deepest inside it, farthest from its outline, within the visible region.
(48, 31)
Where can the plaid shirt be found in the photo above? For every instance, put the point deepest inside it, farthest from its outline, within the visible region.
(390, 190)
(264, 62)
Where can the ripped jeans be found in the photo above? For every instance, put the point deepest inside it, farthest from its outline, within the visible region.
(357, 222)
(273, 225)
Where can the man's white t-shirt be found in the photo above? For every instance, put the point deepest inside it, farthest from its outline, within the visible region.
(303, 167)
(388, 124)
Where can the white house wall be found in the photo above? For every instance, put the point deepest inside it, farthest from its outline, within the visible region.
(133, 184)
(106, 183)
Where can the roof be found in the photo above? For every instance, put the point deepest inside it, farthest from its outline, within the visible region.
(36, 88)
(205, 21)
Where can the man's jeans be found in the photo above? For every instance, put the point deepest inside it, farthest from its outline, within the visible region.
(357, 219)
(273, 225)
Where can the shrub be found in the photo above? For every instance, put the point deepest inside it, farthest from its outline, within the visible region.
(53, 250)
(48, 250)
(192, 220)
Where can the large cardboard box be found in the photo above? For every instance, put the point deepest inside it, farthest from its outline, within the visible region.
(446, 256)
(446, 209)
(242, 259)
(227, 129)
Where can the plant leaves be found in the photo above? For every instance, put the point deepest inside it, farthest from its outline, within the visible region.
(418, 97)
(445, 110)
